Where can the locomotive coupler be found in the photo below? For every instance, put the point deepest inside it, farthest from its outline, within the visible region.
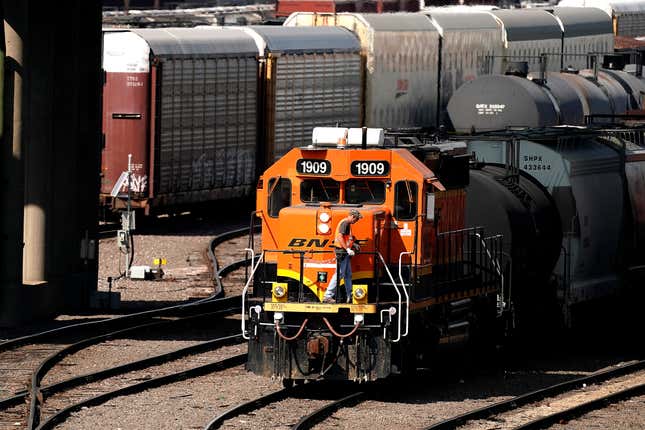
(317, 347)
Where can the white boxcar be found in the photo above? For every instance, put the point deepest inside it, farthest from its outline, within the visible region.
(471, 46)
(401, 54)
(585, 30)
(528, 34)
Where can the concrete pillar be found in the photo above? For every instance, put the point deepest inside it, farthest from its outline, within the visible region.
(37, 151)
(50, 158)
(12, 190)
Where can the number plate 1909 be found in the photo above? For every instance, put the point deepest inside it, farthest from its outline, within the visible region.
(370, 168)
(308, 166)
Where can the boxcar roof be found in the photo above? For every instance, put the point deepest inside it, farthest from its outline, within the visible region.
(464, 21)
(167, 42)
(307, 39)
(528, 24)
(396, 21)
(586, 21)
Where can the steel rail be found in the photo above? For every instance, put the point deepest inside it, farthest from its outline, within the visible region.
(105, 324)
(534, 396)
(36, 397)
(250, 406)
(108, 323)
(141, 386)
(215, 242)
(49, 390)
(583, 408)
(326, 411)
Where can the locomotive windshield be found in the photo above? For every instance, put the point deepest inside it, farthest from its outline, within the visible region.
(279, 195)
(365, 191)
(319, 190)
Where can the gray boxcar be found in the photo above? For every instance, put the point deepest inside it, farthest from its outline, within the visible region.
(204, 110)
(585, 30)
(401, 53)
(529, 33)
(311, 77)
(471, 46)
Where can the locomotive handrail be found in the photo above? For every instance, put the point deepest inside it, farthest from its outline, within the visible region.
(494, 261)
(407, 296)
(398, 338)
(246, 288)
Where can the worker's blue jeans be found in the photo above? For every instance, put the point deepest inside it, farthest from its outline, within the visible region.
(344, 266)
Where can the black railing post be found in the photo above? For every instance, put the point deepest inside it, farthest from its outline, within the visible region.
(300, 282)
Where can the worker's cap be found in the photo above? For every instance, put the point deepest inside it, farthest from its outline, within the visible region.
(356, 214)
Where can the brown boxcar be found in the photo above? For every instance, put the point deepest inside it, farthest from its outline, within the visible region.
(194, 139)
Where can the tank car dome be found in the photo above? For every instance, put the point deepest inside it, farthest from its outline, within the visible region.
(496, 102)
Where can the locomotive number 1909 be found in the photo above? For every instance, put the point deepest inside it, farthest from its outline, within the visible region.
(306, 166)
(370, 168)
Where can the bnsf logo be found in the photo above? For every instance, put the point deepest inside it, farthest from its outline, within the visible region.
(297, 242)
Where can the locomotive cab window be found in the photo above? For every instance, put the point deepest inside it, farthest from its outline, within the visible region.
(279, 195)
(405, 200)
(364, 191)
(319, 190)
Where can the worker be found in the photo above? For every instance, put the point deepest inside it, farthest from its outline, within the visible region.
(344, 248)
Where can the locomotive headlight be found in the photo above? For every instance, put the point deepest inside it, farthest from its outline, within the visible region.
(323, 219)
(359, 294)
(279, 292)
(323, 228)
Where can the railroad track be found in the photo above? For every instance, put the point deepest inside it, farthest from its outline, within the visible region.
(37, 394)
(29, 350)
(332, 395)
(134, 385)
(502, 412)
(346, 398)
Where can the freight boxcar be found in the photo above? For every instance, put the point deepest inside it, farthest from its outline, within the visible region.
(401, 53)
(309, 76)
(529, 33)
(189, 117)
(585, 30)
(471, 46)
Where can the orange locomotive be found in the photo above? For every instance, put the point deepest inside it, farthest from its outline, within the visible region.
(419, 279)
